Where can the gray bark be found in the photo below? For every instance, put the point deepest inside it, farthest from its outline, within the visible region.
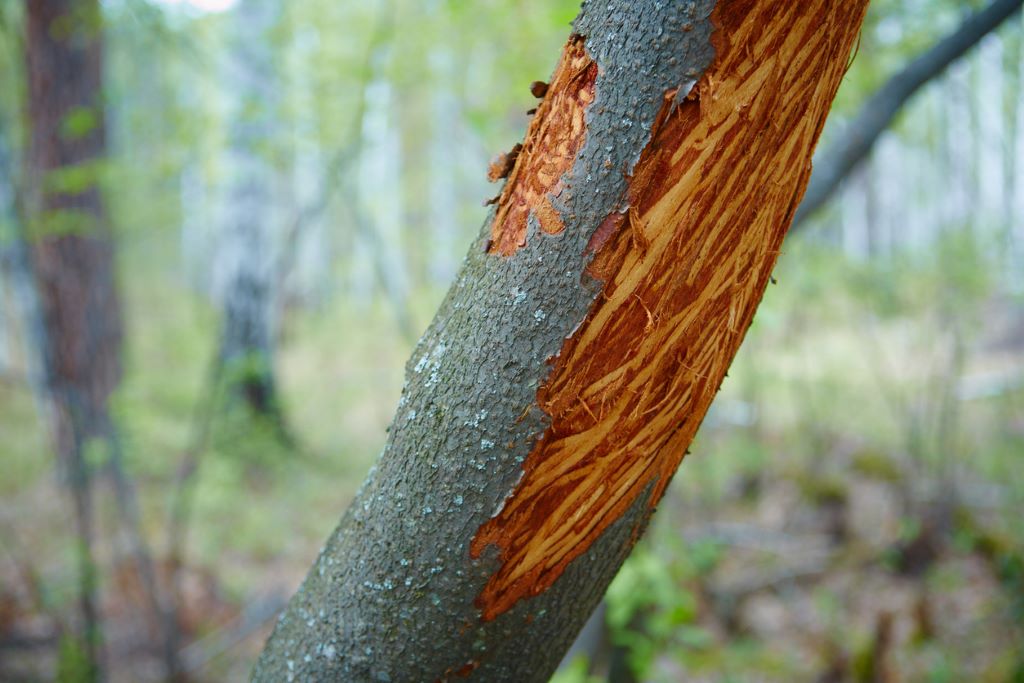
(834, 163)
(391, 596)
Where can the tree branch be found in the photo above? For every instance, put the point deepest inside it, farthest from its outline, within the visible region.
(835, 163)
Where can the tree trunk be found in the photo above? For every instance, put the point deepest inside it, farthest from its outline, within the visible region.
(72, 247)
(72, 254)
(248, 254)
(555, 393)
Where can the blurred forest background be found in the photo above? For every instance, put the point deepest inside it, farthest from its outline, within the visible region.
(291, 186)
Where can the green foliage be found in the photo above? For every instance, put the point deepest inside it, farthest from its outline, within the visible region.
(1010, 569)
(576, 672)
(876, 465)
(96, 454)
(21, 448)
(652, 606)
(79, 122)
(57, 222)
(73, 664)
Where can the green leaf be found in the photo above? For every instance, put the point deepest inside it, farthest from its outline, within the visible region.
(78, 123)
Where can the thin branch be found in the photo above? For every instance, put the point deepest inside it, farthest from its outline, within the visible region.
(161, 610)
(833, 165)
(256, 614)
(338, 174)
(183, 494)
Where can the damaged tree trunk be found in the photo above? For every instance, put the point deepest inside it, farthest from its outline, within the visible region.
(557, 390)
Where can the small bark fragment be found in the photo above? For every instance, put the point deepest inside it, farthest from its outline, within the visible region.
(609, 227)
(556, 134)
(502, 164)
(538, 89)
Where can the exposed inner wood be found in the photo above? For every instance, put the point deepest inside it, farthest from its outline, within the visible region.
(685, 267)
(554, 137)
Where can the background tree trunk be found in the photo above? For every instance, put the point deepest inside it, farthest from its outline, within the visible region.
(72, 252)
(72, 246)
(16, 268)
(552, 398)
(248, 253)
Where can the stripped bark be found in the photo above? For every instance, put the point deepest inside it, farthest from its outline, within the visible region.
(550, 401)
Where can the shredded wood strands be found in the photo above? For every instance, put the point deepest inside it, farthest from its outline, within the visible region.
(684, 269)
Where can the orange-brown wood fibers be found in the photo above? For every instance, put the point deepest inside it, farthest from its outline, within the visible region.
(552, 142)
(711, 200)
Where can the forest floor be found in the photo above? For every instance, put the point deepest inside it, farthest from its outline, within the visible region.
(852, 510)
